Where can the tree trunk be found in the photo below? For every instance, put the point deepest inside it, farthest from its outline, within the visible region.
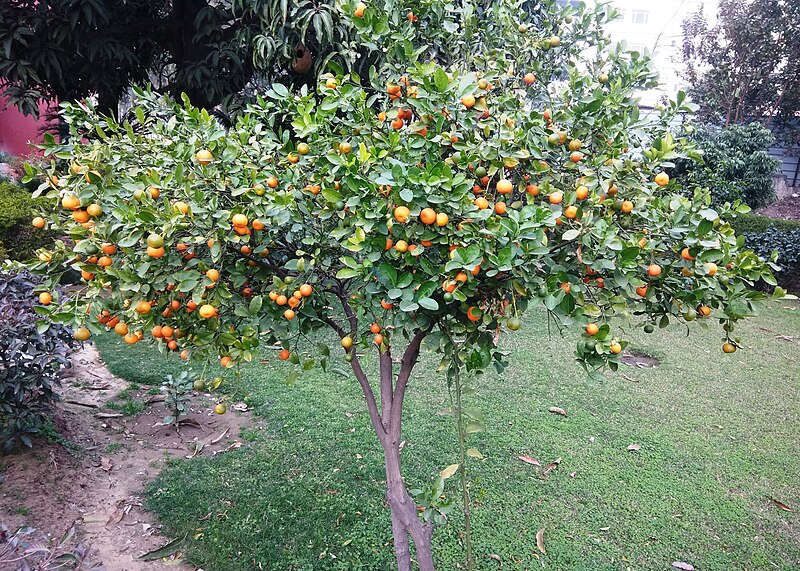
(404, 515)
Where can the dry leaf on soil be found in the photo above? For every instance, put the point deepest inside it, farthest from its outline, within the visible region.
(780, 504)
(557, 410)
(529, 460)
(551, 466)
(106, 464)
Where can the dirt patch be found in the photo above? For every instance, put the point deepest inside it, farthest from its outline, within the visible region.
(638, 360)
(95, 479)
(787, 208)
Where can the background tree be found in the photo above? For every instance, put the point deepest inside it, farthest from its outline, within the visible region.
(432, 202)
(747, 66)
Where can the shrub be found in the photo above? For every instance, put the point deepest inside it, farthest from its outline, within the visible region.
(32, 354)
(18, 239)
(736, 164)
(764, 235)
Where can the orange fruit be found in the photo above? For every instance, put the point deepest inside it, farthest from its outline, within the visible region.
(729, 348)
(345, 147)
(212, 274)
(529, 79)
(641, 291)
(330, 83)
(239, 220)
(504, 186)
(575, 144)
(281, 300)
(556, 197)
(293, 302)
(375, 328)
(378, 339)
(461, 277)
(653, 270)
(581, 193)
(401, 214)
(687, 255)
(704, 310)
(81, 334)
(401, 246)
(427, 216)
(389, 244)
(38, 222)
(500, 208)
(481, 203)
(156, 332)
(571, 211)
(442, 219)
(185, 354)
(105, 261)
(359, 12)
(385, 304)
(306, 290)
(155, 252)
(204, 156)
(71, 202)
(468, 101)
(94, 210)
(80, 216)
(45, 298)
(167, 331)
(474, 314)
(592, 329)
(108, 248)
(207, 311)
(258, 225)
(627, 206)
(576, 156)
(143, 307)
(181, 207)
(284, 354)
(662, 179)
(711, 268)
(289, 314)
(131, 339)
(226, 361)
(616, 348)
(121, 328)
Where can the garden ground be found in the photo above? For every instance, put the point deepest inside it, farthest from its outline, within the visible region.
(708, 481)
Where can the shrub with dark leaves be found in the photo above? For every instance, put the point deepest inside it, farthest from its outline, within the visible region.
(764, 235)
(32, 354)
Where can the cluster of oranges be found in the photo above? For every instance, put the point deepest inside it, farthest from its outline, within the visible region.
(377, 337)
(293, 301)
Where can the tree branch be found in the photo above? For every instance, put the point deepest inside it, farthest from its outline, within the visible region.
(406, 365)
(387, 390)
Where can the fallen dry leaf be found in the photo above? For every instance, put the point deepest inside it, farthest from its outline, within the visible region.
(683, 566)
(780, 504)
(106, 463)
(221, 436)
(118, 514)
(540, 540)
(529, 460)
(551, 466)
(496, 558)
(557, 410)
(634, 447)
(156, 398)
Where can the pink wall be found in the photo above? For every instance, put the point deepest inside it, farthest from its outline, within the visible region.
(17, 129)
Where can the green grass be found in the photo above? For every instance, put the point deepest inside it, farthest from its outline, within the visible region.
(718, 437)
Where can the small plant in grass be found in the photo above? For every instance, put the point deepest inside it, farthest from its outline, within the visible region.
(177, 390)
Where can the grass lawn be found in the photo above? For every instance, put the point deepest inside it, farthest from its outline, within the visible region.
(718, 436)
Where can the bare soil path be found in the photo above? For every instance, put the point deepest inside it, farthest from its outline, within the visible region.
(95, 481)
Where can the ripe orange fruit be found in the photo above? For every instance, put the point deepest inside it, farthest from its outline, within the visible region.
(710, 268)
(94, 210)
(442, 219)
(45, 298)
(167, 331)
(501, 208)
(345, 147)
(143, 307)
(281, 300)
(239, 220)
(156, 332)
(504, 186)
(576, 156)
(378, 339)
(108, 248)
(704, 310)
(38, 222)
(592, 329)
(71, 202)
(289, 314)
(331, 83)
(81, 334)
(641, 290)
(529, 79)
(571, 212)
(204, 156)
(207, 311)
(80, 216)
(427, 216)
(360, 7)
(556, 197)
(662, 179)
(481, 203)
(616, 348)
(284, 354)
(105, 261)
(687, 255)
(226, 361)
(729, 348)
(155, 252)
(653, 270)
(474, 314)
(306, 290)
(401, 246)
(212, 274)
(401, 214)
(130, 339)
(375, 328)
(121, 328)
(181, 207)
(575, 145)
(385, 304)
(532, 189)
(468, 101)
(627, 206)
(581, 193)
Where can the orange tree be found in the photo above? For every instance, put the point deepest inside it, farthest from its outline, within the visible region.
(496, 161)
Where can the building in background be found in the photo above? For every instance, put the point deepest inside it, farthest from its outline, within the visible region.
(656, 26)
(18, 132)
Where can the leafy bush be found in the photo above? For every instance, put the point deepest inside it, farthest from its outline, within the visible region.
(18, 239)
(31, 357)
(764, 235)
(736, 164)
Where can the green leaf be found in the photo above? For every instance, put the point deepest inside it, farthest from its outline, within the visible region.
(440, 79)
(345, 273)
(429, 303)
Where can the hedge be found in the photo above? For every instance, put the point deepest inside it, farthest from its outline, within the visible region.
(18, 239)
(763, 235)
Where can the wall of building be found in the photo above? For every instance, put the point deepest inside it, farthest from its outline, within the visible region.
(18, 130)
